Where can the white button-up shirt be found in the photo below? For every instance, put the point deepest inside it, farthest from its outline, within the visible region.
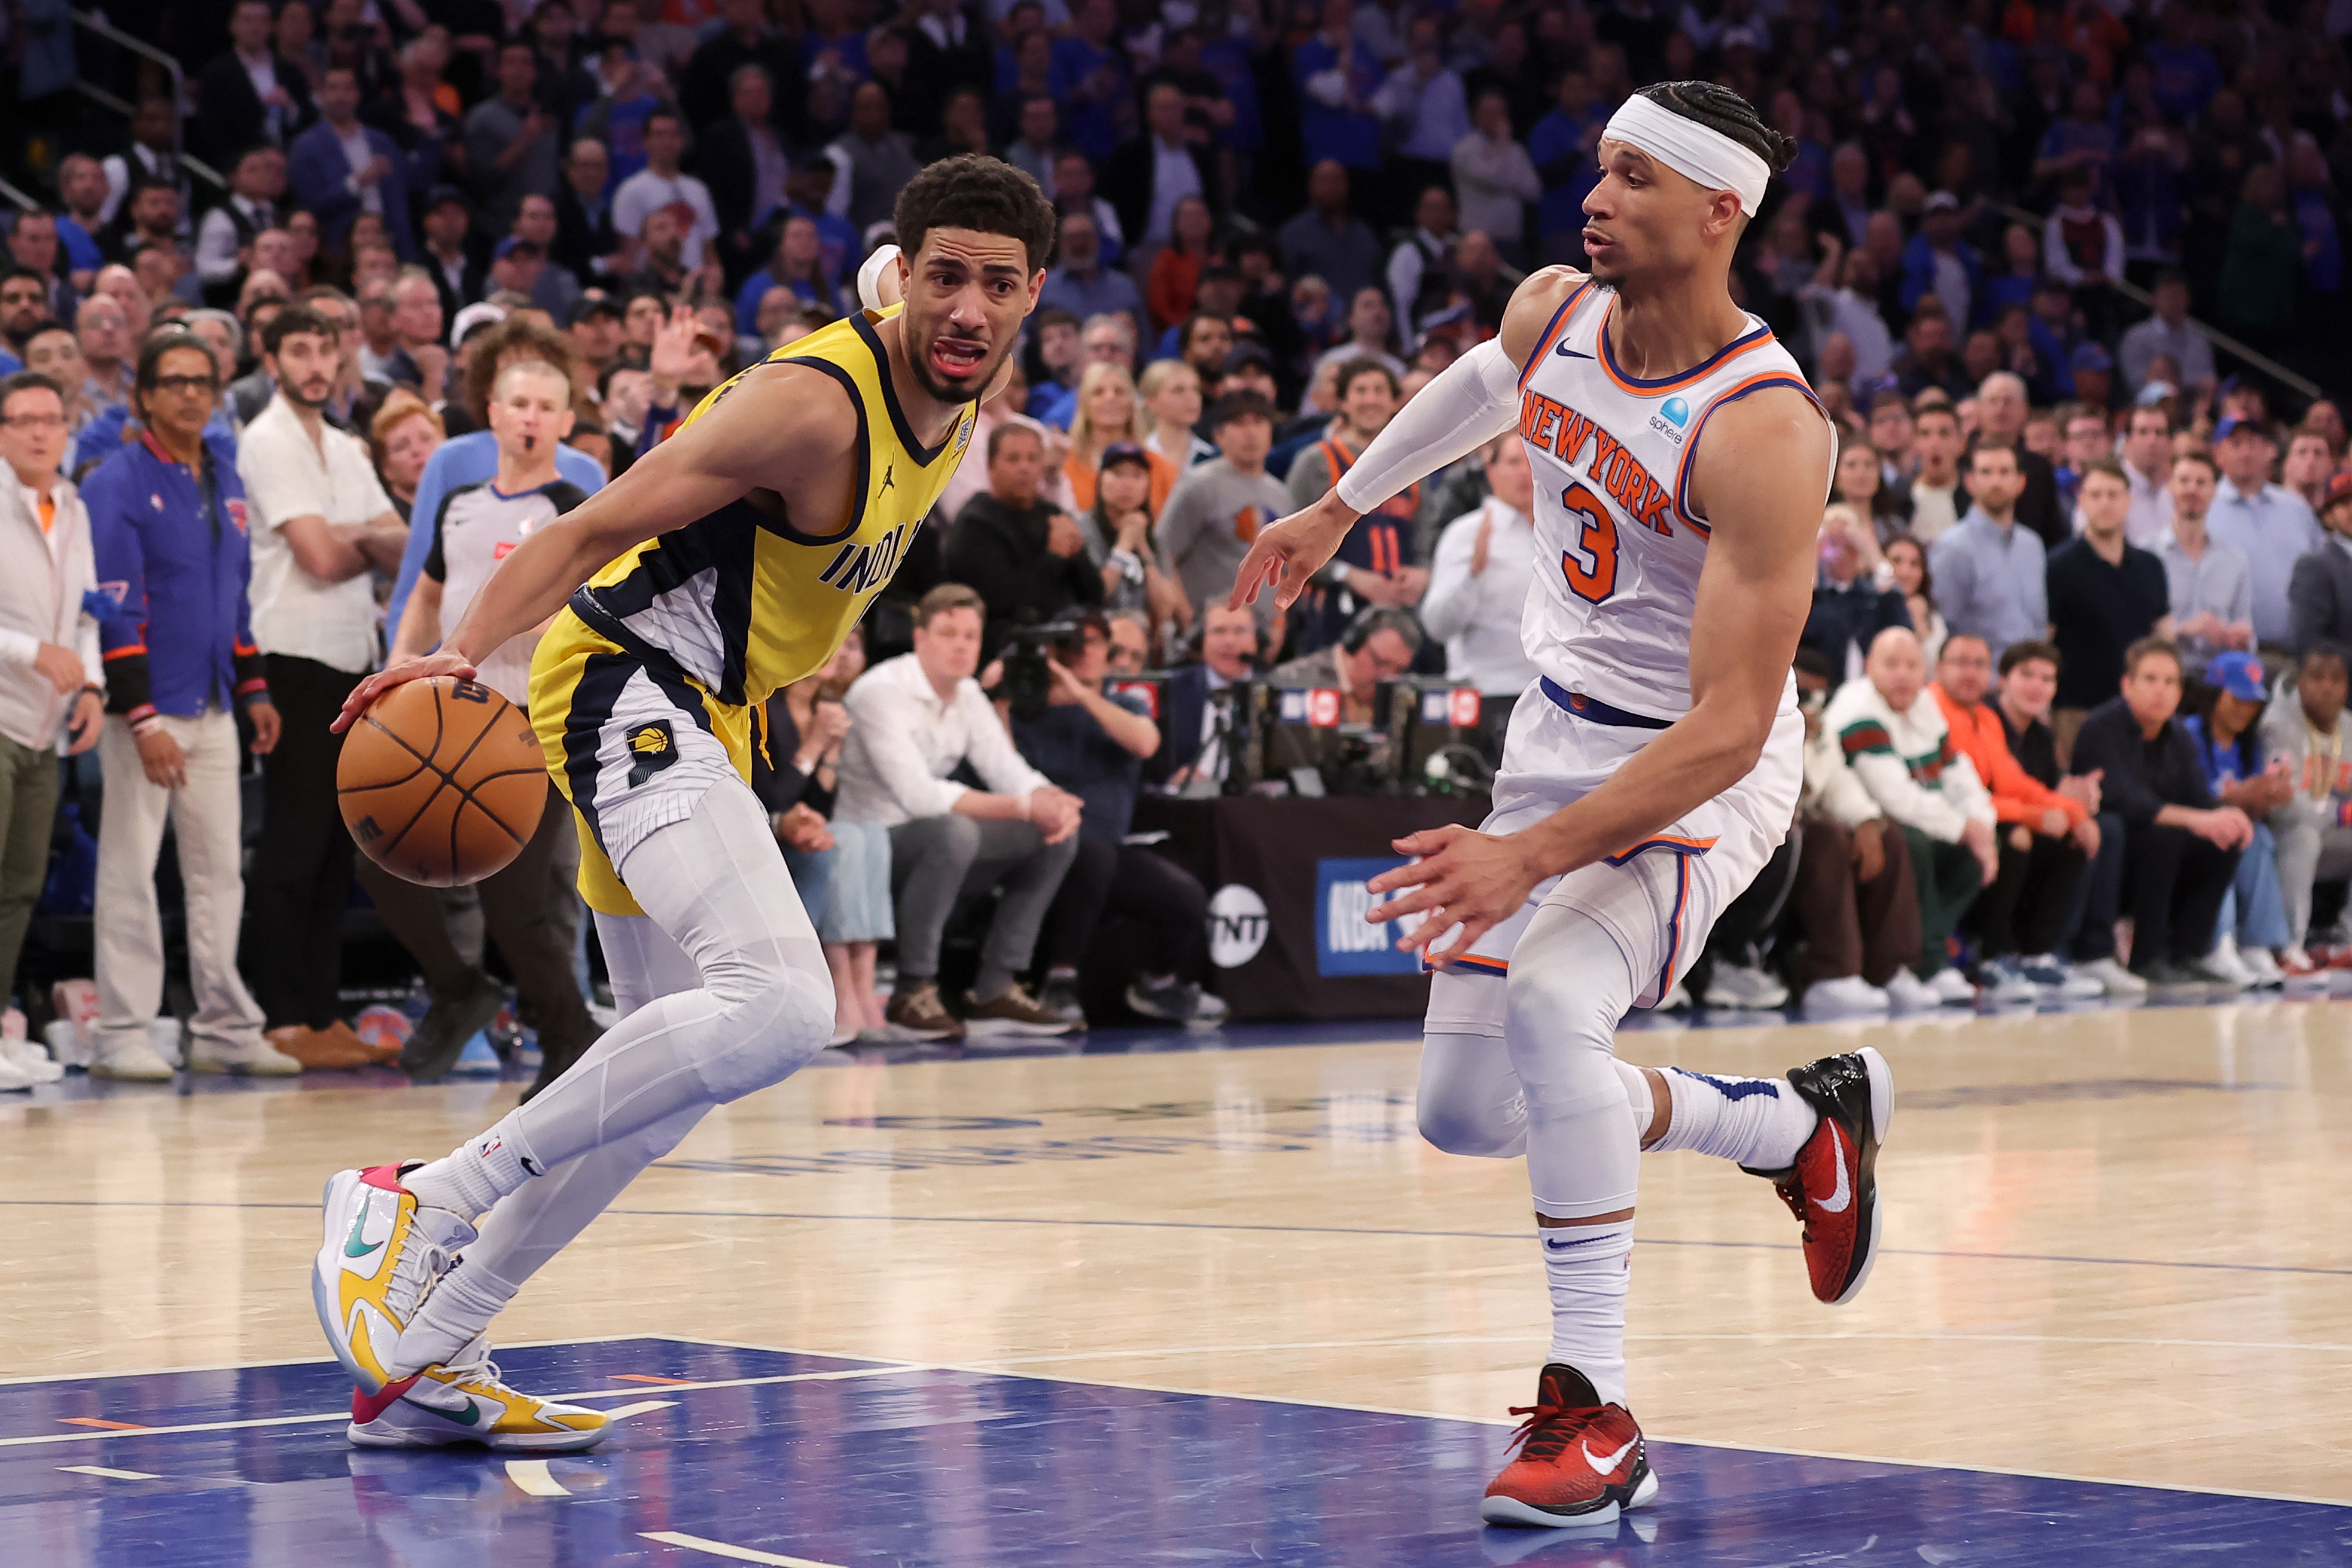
(2272, 528)
(904, 741)
(286, 476)
(1478, 618)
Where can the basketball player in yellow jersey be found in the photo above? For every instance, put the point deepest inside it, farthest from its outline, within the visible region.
(726, 563)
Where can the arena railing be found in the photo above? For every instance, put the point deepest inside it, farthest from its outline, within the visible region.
(107, 98)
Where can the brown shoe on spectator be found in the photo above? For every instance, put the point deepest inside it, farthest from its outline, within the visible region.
(348, 1038)
(318, 1051)
(1013, 1012)
(918, 1014)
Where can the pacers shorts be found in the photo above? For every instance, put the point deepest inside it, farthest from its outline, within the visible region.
(1658, 898)
(631, 743)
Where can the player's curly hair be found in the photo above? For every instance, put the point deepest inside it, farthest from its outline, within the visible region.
(1720, 109)
(972, 191)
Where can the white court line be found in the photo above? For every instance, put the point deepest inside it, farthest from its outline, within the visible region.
(720, 1548)
(532, 1476)
(624, 1412)
(46, 1437)
(110, 1475)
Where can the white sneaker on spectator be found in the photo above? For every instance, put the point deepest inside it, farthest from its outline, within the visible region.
(1674, 1002)
(130, 1059)
(254, 1058)
(32, 1059)
(2004, 981)
(1951, 987)
(1848, 995)
(2069, 984)
(1908, 993)
(2264, 969)
(12, 1076)
(1737, 986)
(2223, 961)
(2112, 978)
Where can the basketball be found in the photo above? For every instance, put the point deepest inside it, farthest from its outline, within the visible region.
(442, 782)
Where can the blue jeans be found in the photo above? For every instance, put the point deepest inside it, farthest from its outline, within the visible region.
(2256, 908)
(811, 879)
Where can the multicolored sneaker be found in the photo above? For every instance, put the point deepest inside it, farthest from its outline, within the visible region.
(465, 1400)
(1832, 1189)
(1579, 1462)
(379, 1252)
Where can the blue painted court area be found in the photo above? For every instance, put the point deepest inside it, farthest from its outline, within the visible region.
(771, 1457)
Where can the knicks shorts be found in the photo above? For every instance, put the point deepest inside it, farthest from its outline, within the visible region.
(1658, 898)
(631, 743)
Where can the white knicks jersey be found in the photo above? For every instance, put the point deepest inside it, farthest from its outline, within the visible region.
(1618, 551)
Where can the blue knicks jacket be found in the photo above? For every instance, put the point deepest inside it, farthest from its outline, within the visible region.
(173, 562)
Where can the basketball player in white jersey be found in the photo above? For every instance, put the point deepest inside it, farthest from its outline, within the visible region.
(1681, 465)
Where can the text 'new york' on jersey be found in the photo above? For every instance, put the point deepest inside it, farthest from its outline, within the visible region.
(746, 601)
(1619, 544)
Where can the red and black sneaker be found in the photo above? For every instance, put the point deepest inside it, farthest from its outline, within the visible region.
(1579, 1462)
(1832, 1189)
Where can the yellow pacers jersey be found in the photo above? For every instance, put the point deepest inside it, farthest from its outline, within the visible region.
(739, 604)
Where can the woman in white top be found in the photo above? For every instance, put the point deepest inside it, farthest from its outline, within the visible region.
(1171, 390)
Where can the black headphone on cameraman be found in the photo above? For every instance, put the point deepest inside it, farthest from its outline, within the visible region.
(1375, 618)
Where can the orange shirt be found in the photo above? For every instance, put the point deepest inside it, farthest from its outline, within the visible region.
(2017, 795)
(1081, 475)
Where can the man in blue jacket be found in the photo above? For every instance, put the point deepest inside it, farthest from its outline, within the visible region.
(1938, 261)
(168, 535)
(340, 168)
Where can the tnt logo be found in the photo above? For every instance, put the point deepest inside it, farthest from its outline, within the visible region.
(1323, 707)
(1237, 925)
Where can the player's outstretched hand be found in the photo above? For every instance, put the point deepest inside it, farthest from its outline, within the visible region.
(422, 667)
(1463, 880)
(1289, 553)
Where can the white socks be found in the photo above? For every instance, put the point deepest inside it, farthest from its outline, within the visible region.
(1761, 1123)
(475, 1174)
(1588, 1268)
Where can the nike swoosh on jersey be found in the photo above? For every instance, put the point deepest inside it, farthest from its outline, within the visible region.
(1603, 1467)
(1565, 352)
(1837, 1201)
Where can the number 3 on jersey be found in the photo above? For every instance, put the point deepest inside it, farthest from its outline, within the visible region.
(1596, 539)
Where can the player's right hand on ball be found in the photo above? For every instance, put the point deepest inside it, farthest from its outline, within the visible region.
(423, 667)
(1289, 553)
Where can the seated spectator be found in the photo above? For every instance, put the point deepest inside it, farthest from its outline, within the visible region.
(1850, 606)
(1907, 565)
(914, 720)
(1217, 508)
(2104, 594)
(1170, 390)
(2303, 729)
(1022, 556)
(1094, 746)
(1991, 575)
(2319, 594)
(1374, 565)
(1081, 283)
(1108, 414)
(2181, 848)
(472, 529)
(1485, 565)
(1117, 533)
(1861, 483)
(1853, 905)
(1199, 717)
(2209, 585)
(2253, 920)
(1895, 740)
(1379, 645)
(2266, 522)
(1175, 278)
(1372, 330)
(798, 265)
(2045, 840)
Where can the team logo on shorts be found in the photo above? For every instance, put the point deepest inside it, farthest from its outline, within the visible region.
(652, 747)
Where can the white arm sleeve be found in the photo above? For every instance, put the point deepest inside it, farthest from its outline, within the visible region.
(1476, 400)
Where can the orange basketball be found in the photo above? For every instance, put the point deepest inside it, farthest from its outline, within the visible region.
(442, 782)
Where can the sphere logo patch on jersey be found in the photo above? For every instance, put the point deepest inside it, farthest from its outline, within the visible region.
(1552, 427)
(652, 747)
(1672, 419)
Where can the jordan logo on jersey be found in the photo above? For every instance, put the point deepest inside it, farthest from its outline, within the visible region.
(1554, 427)
(861, 569)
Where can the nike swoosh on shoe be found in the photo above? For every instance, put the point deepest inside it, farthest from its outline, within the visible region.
(1838, 1200)
(1603, 1467)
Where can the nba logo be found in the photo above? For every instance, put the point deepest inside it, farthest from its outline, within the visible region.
(1323, 707)
(237, 513)
(1461, 705)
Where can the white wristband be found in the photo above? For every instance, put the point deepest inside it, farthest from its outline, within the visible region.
(1475, 401)
(870, 276)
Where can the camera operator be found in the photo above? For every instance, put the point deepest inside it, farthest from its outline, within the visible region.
(1094, 747)
(1017, 550)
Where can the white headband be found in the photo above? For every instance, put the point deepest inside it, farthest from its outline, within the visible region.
(1708, 157)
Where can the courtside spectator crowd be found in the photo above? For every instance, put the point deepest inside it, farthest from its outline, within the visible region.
(2068, 274)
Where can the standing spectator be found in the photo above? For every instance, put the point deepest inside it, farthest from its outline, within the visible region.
(660, 185)
(880, 159)
(1851, 605)
(511, 141)
(1094, 746)
(1424, 112)
(2147, 467)
(1324, 240)
(321, 522)
(2267, 523)
(745, 163)
(1423, 257)
(1018, 551)
(2211, 584)
(2106, 593)
(2305, 727)
(914, 720)
(248, 94)
(714, 75)
(2262, 264)
(50, 677)
(1090, 77)
(2002, 411)
(341, 169)
(1151, 173)
(2319, 594)
(2180, 849)
(1217, 507)
(1895, 740)
(1496, 179)
(168, 532)
(1937, 261)
(1377, 563)
(451, 261)
(1478, 582)
(2168, 333)
(1564, 147)
(1336, 79)
(224, 238)
(1990, 572)
(2045, 840)
(2310, 464)
(105, 341)
(1174, 283)
(585, 241)
(1854, 902)
(472, 529)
